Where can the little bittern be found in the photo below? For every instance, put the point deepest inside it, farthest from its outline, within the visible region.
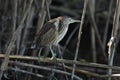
(53, 32)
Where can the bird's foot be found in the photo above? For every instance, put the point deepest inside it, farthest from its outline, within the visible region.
(40, 57)
(53, 58)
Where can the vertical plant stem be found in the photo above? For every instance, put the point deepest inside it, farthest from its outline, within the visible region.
(63, 64)
(42, 16)
(107, 24)
(14, 14)
(93, 44)
(92, 12)
(69, 38)
(48, 11)
(114, 36)
(4, 64)
(79, 37)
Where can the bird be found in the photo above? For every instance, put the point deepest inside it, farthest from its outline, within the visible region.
(53, 32)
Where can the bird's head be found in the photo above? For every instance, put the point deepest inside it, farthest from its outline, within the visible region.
(67, 20)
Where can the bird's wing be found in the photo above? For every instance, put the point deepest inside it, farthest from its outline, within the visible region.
(47, 32)
(50, 24)
(49, 37)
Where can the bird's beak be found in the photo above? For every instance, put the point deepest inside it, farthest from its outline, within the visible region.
(73, 21)
(76, 20)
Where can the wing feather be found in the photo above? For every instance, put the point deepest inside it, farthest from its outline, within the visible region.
(47, 33)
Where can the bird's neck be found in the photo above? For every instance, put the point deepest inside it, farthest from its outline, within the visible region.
(62, 25)
(63, 28)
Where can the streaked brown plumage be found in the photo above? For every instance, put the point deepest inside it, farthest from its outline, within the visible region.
(53, 32)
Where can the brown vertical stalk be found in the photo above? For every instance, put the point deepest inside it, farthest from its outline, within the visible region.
(10, 46)
(79, 37)
(47, 7)
(41, 18)
(114, 36)
(92, 12)
(107, 24)
(14, 14)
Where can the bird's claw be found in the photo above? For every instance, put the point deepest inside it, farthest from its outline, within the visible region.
(53, 58)
(40, 57)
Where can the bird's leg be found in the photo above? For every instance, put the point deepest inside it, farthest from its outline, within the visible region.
(59, 51)
(39, 54)
(53, 54)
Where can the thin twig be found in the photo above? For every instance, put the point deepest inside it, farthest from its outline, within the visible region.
(4, 64)
(92, 73)
(43, 68)
(67, 67)
(93, 45)
(48, 10)
(98, 37)
(79, 37)
(26, 72)
(27, 26)
(63, 64)
(48, 60)
(41, 18)
(19, 32)
(69, 38)
(107, 24)
(14, 14)
(114, 36)
(92, 12)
